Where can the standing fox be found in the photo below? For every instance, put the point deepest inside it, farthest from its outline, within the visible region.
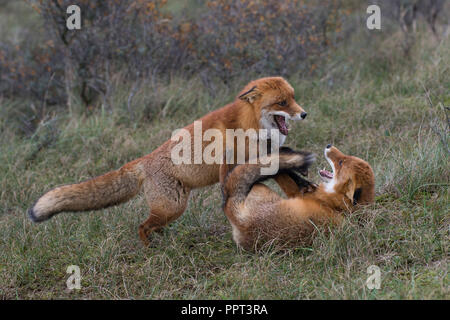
(259, 215)
(266, 103)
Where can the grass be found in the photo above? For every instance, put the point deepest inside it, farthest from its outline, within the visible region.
(394, 118)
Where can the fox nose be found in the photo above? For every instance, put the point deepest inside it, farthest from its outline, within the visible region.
(328, 146)
(303, 115)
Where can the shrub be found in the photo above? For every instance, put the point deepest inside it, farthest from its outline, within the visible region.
(262, 37)
(134, 41)
(129, 35)
(31, 70)
(406, 13)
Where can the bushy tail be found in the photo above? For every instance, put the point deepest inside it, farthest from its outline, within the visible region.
(241, 179)
(107, 190)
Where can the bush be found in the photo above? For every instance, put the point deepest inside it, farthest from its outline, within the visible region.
(262, 37)
(128, 35)
(406, 14)
(31, 70)
(134, 41)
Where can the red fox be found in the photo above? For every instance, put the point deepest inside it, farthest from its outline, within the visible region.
(266, 103)
(259, 215)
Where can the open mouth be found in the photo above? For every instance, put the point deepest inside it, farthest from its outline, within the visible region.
(281, 123)
(326, 175)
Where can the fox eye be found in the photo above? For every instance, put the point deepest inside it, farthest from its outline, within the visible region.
(340, 162)
(282, 103)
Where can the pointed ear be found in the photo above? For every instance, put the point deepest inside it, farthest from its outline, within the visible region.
(250, 95)
(350, 189)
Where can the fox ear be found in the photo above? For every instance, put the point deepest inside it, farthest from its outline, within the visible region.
(250, 95)
(350, 189)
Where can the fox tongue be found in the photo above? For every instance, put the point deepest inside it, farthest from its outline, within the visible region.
(326, 174)
(281, 124)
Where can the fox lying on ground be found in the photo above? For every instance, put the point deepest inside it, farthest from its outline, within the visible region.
(259, 215)
(266, 103)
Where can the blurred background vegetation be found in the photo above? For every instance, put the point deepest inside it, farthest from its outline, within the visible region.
(136, 42)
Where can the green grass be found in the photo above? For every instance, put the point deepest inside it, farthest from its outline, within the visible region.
(394, 118)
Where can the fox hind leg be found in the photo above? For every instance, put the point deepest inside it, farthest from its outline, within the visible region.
(154, 223)
(157, 220)
(167, 202)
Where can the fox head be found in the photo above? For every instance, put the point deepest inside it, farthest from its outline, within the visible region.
(350, 176)
(273, 100)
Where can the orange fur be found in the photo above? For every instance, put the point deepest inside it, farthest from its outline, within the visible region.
(166, 185)
(258, 214)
